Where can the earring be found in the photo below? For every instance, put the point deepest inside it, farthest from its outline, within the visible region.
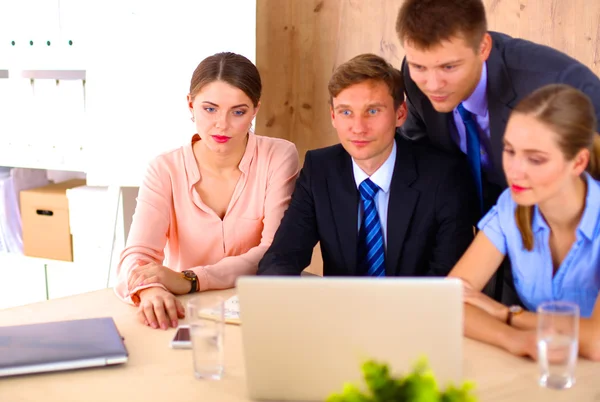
(193, 118)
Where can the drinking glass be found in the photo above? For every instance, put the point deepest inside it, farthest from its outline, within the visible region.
(558, 343)
(207, 326)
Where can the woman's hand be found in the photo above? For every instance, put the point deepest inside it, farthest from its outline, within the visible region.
(159, 308)
(478, 299)
(522, 343)
(147, 273)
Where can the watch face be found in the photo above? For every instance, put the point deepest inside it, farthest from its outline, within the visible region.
(189, 274)
(515, 309)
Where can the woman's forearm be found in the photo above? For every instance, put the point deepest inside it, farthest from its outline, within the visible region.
(589, 333)
(484, 327)
(481, 326)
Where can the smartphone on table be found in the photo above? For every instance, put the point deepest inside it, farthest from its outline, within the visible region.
(182, 339)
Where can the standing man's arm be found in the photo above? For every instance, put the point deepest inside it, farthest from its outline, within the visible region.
(414, 127)
(297, 235)
(455, 203)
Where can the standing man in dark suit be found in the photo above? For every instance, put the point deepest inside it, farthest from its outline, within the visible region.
(380, 205)
(462, 83)
(459, 76)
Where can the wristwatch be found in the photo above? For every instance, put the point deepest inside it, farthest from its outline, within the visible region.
(191, 276)
(513, 311)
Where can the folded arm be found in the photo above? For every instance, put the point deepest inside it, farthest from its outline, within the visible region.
(148, 233)
(589, 330)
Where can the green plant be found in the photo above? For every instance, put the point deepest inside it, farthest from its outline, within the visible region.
(418, 386)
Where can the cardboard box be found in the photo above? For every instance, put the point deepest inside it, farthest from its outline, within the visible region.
(45, 221)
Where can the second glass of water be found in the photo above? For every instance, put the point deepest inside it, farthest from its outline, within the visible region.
(558, 341)
(206, 317)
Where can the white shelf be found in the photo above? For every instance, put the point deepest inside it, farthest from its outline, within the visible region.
(29, 280)
(40, 157)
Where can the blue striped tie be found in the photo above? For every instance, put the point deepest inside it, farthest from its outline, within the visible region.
(473, 150)
(371, 252)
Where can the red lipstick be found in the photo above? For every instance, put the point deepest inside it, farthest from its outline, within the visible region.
(221, 139)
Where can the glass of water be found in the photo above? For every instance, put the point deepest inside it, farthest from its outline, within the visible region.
(558, 343)
(206, 317)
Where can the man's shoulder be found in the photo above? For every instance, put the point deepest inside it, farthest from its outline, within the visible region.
(522, 55)
(426, 154)
(326, 155)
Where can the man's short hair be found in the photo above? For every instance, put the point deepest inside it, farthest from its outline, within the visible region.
(365, 67)
(426, 23)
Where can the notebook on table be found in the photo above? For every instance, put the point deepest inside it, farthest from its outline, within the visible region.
(61, 345)
(231, 313)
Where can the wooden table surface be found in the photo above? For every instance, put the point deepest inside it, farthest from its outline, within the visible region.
(155, 372)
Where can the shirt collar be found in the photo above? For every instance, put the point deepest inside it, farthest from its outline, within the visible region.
(382, 176)
(477, 102)
(191, 166)
(589, 219)
(591, 212)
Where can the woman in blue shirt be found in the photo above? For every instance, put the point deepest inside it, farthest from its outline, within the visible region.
(547, 222)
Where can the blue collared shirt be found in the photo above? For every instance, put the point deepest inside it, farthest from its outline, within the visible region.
(476, 104)
(578, 277)
(383, 178)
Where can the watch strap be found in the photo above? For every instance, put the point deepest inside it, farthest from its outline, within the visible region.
(512, 311)
(194, 288)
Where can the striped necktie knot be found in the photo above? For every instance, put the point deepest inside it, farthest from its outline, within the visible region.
(368, 189)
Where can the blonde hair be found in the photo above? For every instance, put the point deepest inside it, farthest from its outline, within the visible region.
(570, 114)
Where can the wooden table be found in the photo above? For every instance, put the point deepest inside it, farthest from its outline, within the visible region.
(155, 372)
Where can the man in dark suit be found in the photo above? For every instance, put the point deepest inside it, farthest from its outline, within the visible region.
(379, 205)
(453, 62)
(462, 83)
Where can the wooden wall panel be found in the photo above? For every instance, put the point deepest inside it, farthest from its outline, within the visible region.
(572, 26)
(300, 42)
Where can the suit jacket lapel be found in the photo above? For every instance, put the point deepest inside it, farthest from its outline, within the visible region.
(500, 96)
(438, 126)
(344, 206)
(402, 202)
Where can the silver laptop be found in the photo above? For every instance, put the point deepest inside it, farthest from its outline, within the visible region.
(62, 345)
(305, 337)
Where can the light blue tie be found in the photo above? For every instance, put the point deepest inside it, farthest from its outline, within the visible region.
(473, 150)
(371, 251)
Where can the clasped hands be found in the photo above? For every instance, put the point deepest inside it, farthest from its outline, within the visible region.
(519, 342)
(158, 307)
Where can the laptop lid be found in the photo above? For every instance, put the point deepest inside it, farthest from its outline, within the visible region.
(62, 345)
(304, 338)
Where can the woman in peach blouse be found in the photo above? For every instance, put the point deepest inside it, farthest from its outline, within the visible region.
(207, 212)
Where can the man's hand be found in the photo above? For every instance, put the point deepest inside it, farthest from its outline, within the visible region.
(159, 308)
(147, 273)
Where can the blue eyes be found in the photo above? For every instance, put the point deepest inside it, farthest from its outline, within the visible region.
(446, 68)
(370, 112)
(235, 112)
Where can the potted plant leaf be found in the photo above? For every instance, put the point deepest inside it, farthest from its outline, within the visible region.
(418, 386)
